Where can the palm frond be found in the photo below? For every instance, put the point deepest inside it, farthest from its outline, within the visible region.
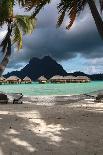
(26, 23)
(37, 5)
(3, 11)
(72, 8)
(6, 10)
(22, 25)
(17, 36)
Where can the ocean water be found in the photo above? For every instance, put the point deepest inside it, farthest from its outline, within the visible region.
(52, 89)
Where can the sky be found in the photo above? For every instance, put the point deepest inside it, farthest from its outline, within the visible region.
(79, 49)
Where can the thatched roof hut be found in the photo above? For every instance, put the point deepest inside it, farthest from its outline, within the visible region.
(3, 77)
(13, 79)
(70, 78)
(57, 79)
(42, 79)
(2, 80)
(27, 80)
(82, 79)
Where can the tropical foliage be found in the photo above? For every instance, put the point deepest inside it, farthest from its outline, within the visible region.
(71, 8)
(17, 26)
(22, 24)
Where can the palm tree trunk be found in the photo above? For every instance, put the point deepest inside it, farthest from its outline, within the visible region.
(96, 16)
(6, 58)
(7, 53)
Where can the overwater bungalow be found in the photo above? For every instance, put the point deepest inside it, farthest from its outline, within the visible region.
(13, 80)
(82, 79)
(27, 80)
(69, 79)
(2, 80)
(57, 79)
(42, 79)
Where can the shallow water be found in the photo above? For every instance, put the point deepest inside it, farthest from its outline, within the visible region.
(52, 89)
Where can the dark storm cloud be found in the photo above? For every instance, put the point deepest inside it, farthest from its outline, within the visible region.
(59, 43)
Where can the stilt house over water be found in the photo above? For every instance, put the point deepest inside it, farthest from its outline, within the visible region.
(13, 80)
(42, 79)
(2, 80)
(27, 80)
(69, 79)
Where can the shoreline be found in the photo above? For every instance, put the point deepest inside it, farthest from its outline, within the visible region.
(57, 125)
(50, 100)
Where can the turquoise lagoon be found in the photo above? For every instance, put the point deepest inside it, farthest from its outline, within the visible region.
(52, 89)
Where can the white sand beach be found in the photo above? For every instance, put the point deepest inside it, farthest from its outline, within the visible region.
(65, 129)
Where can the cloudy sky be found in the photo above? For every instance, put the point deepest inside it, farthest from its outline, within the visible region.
(79, 49)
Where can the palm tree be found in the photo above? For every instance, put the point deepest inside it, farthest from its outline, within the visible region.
(72, 8)
(17, 25)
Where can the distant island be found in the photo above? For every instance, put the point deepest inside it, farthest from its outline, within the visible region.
(47, 67)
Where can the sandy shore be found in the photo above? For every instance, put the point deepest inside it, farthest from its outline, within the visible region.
(70, 129)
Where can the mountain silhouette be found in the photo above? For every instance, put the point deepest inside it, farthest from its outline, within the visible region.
(47, 67)
(38, 67)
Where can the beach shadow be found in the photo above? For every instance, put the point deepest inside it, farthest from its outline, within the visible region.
(43, 130)
(21, 136)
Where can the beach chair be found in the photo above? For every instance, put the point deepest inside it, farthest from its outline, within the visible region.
(18, 100)
(3, 98)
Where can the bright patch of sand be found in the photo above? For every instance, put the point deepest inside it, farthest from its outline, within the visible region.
(70, 129)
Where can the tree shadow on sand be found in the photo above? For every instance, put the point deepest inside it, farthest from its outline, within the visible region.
(43, 130)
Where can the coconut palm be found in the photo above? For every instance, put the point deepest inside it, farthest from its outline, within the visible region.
(72, 8)
(17, 26)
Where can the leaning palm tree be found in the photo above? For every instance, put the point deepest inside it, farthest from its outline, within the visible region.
(72, 8)
(17, 26)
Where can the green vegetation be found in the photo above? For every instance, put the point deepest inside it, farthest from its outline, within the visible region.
(71, 8)
(17, 26)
